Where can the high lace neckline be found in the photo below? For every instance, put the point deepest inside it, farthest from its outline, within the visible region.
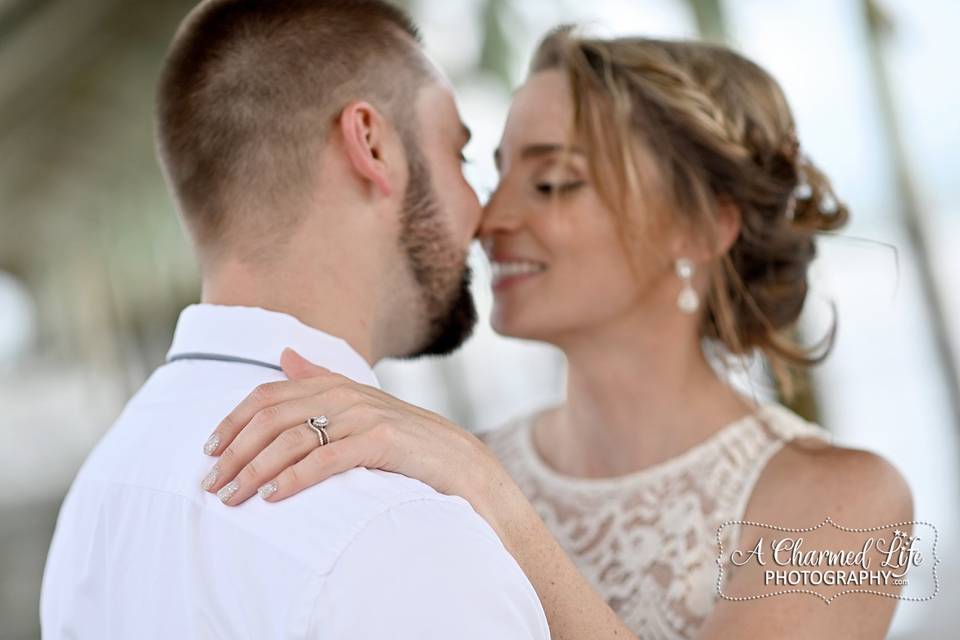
(647, 540)
(718, 437)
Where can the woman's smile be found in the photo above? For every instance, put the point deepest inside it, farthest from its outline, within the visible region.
(506, 271)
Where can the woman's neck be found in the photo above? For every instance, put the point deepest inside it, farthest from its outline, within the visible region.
(635, 399)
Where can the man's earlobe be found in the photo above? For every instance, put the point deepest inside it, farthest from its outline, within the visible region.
(364, 136)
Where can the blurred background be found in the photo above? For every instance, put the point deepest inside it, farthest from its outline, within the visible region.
(94, 268)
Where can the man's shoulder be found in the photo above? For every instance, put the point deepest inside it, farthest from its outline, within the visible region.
(156, 446)
(318, 524)
(431, 568)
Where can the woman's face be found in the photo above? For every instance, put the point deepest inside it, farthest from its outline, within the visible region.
(559, 267)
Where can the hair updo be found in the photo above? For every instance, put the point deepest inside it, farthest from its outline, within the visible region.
(683, 127)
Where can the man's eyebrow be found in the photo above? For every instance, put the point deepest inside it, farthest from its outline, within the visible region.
(539, 150)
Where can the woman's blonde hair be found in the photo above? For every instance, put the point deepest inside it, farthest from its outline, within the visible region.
(683, 127)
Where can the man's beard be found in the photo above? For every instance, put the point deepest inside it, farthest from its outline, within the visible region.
(437, 267)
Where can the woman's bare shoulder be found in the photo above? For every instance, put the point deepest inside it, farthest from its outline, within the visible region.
(806, 482)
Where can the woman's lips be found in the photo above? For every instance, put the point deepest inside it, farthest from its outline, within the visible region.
(506, 272)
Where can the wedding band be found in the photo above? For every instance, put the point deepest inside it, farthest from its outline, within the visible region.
(319, 425)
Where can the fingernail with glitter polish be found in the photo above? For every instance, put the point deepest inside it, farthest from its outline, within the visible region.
(210, 478)
(228, 490)
(268, 489)
(211, 444)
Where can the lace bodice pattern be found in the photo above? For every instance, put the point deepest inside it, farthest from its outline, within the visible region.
(647, 541)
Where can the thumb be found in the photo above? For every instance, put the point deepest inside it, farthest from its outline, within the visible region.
(297, 367)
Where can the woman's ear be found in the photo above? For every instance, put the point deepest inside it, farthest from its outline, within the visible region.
(728, 225)
(685, 242)
(364, 132)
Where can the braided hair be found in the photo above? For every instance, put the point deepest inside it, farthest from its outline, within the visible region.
(681, 127)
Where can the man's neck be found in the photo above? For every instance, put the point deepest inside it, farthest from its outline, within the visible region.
(323, 304)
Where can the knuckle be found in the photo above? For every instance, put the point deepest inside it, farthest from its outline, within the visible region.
(386, 433)
(339, 380)
(264, 392)
(349, 413)
(292, 439)
(293, 477)
(266, 416)
(327, 455)
(345, 391)
(336, 392)
(252, 470)
(228, 456)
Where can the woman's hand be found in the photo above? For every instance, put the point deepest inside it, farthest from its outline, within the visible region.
(265, 442)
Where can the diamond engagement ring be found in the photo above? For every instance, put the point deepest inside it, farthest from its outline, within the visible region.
(319, 425)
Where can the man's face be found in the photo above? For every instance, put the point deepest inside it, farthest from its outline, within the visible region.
(438, 226)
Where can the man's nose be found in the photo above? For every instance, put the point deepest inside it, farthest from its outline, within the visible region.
(471, 213)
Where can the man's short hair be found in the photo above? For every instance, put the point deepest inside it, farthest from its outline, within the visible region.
(249, 91)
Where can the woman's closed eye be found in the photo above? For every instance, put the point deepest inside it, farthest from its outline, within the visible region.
(558, 188)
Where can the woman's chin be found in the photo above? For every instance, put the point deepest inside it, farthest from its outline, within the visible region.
(511, 323)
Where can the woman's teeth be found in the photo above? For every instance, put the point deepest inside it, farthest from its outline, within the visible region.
(501, 270)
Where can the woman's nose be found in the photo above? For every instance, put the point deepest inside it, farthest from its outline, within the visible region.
(500, 215)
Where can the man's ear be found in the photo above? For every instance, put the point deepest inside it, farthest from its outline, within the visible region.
(364, 131)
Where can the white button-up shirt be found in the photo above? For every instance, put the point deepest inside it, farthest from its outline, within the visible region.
(141, 551)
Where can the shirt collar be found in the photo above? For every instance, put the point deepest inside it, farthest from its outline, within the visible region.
(259, 334)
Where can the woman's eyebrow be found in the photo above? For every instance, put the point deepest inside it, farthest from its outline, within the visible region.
(539, 150)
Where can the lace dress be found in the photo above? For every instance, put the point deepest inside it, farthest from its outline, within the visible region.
(647, 541)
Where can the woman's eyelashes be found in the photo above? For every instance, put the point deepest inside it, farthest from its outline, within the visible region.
(547, 188)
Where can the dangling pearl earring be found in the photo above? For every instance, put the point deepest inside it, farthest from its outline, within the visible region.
(688, 300)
